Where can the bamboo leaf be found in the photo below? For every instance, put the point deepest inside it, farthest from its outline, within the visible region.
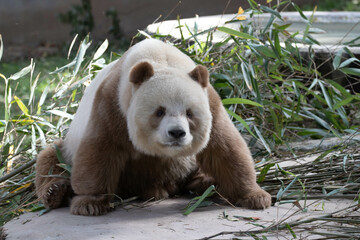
(337, 59)
(33, 141)
(42, 98)
(299, 11)
(351, 71)
(7, 99)
(202, 197)
(246, 76)
(85, 44)
(21, 187)
(291, 231)
(61, 160)
(3, 77)
(62, 90)
(340, 88)
(275, 121)
(72, 63)
(316, 30)
(311, 132)
(264, 171)
(353, 42)
(210, 30)
(313, 84)
(262, 139)
(307, 29)
(281, 28)
(61, 114)
(235, 33)
(313, 40)
(42, 136)
(253, 4)
(319, 120)
(1, 47)
(269, 24)
(270, 10)
(237, 117)
(32, 90)
(21, 73)
(344, 163)
(263, 50)
(240, 101)
(326, 95)
(282, 191)
(22, 106)
(59, 154)
(66, 167)
(100, 51)
(348, 62)
(72, 44)
(277, 44)
(343, 102)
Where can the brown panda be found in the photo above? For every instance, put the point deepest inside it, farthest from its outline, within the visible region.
(149, 125)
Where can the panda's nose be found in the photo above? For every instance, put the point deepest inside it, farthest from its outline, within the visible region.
(177, 133)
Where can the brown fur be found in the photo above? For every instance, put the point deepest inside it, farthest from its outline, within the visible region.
(228, 160)
(141, 72)
(107, 163)
(53, 191)
(154, 120)
(201, 75)
(2, 234)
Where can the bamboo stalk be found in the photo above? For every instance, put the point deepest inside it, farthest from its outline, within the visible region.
(18, 170)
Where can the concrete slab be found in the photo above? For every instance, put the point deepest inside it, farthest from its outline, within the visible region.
(330, 29)
(163, 220)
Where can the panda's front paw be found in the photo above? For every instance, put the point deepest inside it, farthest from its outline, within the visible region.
(257, 199)
(156, 193)
(90, 205)
(56, 194)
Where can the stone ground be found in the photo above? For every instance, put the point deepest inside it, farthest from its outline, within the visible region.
(165, 220)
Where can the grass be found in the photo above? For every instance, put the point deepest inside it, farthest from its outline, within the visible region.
(274, 94)
(331, 5)
(22, 87)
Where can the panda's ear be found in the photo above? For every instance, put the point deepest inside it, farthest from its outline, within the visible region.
(201, 75)
(141, 72)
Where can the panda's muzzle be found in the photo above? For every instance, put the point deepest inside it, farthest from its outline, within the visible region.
(175, 132)
(176, 137)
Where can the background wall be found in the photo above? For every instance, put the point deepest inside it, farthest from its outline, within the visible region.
(27, 24)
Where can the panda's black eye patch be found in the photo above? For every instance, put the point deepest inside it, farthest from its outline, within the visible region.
(189, 113)
(160, 112)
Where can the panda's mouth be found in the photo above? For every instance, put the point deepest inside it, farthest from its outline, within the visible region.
(174, 144)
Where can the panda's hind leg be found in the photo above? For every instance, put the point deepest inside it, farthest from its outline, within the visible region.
(52, 182)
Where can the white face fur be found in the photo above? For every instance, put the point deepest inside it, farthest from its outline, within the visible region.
(169, 116)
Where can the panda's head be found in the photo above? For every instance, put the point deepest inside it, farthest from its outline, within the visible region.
(169, 113)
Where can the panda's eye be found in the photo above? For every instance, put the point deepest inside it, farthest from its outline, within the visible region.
(189, 113)
(160, 112)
